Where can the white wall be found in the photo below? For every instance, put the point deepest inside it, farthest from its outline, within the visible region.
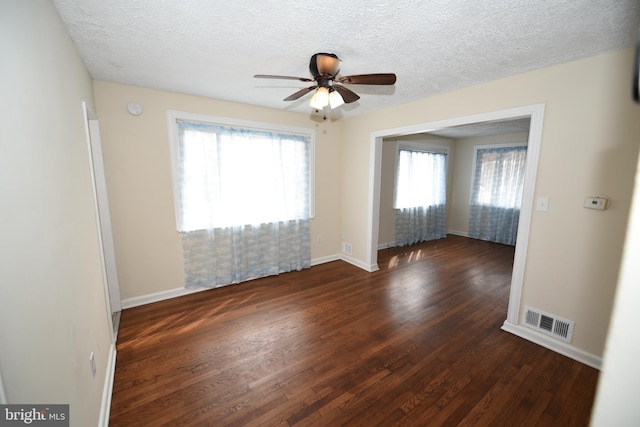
(52, 301)
(616, 401)
(589, 146)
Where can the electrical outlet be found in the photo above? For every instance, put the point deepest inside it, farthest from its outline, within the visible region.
(92, 364)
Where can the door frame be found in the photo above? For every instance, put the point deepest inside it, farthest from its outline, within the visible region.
(103, 217)
(536, 114)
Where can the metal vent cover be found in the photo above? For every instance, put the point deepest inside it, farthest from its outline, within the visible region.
(548, 323)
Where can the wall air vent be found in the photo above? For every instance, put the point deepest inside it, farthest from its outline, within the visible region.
(548, 323)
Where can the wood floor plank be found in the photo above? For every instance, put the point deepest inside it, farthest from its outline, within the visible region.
(416, 343)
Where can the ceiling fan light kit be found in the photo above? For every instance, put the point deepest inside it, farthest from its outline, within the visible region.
(324, 67)
(320, 99)
(335, 100)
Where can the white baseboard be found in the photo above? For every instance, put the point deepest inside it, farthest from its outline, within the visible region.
(159, 296)
(359, 264)
(178, 292)
(387, 245)
(345, 258)
(105, 407)
(325, 259)
(553, 344)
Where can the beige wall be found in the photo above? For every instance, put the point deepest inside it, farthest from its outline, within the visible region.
(589, 146)
(588, 143)
(138, 171)
(386, 236)
(458, 206)
(52, 301)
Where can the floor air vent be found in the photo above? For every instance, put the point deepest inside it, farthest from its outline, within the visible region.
(548, 324)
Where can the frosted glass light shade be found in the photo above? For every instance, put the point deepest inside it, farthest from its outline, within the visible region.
(320, 99)
(335, 99)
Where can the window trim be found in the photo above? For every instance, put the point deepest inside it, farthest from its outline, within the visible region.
(172, 118)
(475, 160)
(422, 146)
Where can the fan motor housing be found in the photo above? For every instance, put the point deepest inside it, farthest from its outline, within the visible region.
(324, 65)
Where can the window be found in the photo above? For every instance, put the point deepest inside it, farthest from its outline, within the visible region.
(231, 173)
(421, 193)
(420, 178)
(496, 192)
(499, 176)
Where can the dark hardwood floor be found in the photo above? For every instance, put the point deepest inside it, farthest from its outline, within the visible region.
(417, 343)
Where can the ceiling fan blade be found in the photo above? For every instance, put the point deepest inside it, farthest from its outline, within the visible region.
(299, 93)
(369, 79)
(347, 95)
(269, 76)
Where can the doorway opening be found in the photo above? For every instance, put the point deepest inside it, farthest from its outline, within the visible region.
(534, 114)
(103, 216)
(495, 202)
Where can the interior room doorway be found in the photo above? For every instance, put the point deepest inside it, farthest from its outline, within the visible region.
(534, 114)
(460, 144)
(105, 234)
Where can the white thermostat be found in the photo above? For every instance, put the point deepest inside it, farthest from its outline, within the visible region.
(600, 203)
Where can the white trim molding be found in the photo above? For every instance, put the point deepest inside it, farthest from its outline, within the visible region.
(105, 407)
(179, 292)
(366, 267)
(159, 296)
(458, 233)
(536, 113)
(553, 344)
(325, 259)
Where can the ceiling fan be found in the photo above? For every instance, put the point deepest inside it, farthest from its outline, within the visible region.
(324, 68)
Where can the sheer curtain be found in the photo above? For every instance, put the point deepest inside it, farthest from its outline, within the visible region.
(497, 193)
(420, 197)
(244, 198)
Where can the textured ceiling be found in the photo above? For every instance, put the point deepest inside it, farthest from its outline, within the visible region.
(475, 130)
(213, 49)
